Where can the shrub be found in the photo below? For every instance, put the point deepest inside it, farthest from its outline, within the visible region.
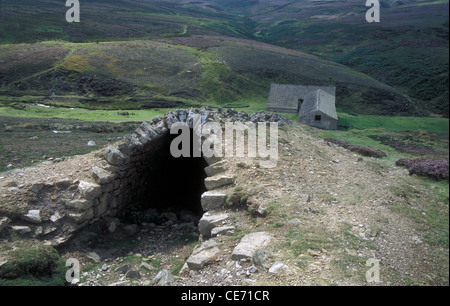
(363, 150)
(367, 151)
(434, 169)
(338, 142)
(41, 262)
(405, 162)
(398, 144)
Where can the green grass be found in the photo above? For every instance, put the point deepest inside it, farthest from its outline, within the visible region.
(301, 240)
(32, 111)
(361, 128)
(431, 217)
(351, 266)
(422, 201)
(79, 111)
(413, 61)
(177, 265)
(25, 141)
(122, 75)
(363, 122)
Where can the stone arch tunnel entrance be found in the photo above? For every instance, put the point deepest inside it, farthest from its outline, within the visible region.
(168, 184)
(92, 193)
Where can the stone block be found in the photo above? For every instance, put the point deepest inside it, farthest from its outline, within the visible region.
(33, 216)
(81, 204)
(216, 168)
(218, 181)
(205, 254)
(213, 200)
(225, 230)
(102, 176)
(88, 190)
(114, 156)
(210, 221)
(82, 216)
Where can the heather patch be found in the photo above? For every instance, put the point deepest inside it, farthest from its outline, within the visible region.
(435, 169)
(362, 150)
(410, 144)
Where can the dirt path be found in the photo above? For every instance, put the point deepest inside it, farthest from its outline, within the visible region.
(344, 208)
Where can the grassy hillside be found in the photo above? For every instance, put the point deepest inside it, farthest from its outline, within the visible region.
(105, 20)
(196, 70)
(408, 50)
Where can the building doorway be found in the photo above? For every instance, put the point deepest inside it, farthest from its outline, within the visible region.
(299, 104)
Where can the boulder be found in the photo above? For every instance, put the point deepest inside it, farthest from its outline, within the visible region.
(146, 266)
(94, 256)
(212, 160)
(133, 274)
(37, 187)
(82, 216)
(123, 269)
(147, 131)
(32, 216)
(170, 216)
(248, 245)
(102, 176)
(262, 211)
(55, 217)
(22, 230)
(131, 144)
(103, 203)
(225, 230)
(131, 229)
(163, 278)
(210, 221)
(4, 222)
(112, 224)
(88, 190)
(202, 255)
(277, 268)
(259, 259)
(63, 183)
(114, 157)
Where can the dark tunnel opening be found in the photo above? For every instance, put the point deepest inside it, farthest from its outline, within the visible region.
(170, 184)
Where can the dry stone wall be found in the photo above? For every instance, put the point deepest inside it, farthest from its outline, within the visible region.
(118, 178)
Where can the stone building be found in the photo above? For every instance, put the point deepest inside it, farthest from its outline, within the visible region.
(316, 105)
(319, 110)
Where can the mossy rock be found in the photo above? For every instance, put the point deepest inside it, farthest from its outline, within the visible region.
(32, 263)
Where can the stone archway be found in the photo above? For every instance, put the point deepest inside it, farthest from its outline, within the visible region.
(138, 167)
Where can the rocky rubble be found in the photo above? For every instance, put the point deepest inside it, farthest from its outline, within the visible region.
(260, 116)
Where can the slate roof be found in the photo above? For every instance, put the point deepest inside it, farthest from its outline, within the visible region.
(319, 100)
(286, 96)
